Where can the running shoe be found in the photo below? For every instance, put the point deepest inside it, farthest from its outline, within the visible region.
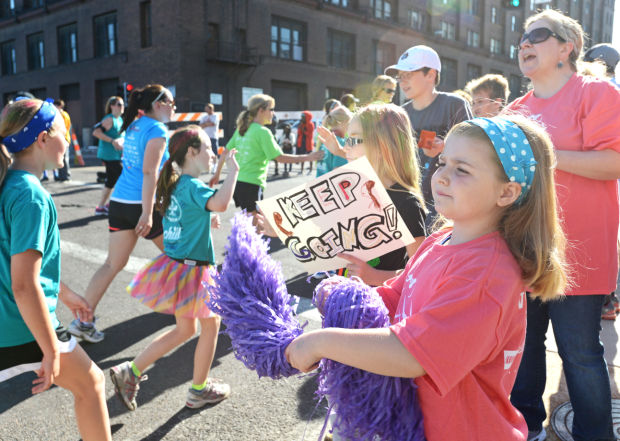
(85, 332)
(213, 393)
(126, 384)
(101, 211)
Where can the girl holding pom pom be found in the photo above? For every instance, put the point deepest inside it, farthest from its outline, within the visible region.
(458, 311)
(176, 282)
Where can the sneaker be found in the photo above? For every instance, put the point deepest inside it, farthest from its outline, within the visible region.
(85, 332)
(615, 302)
(213, 393)
(609, 310)
(540, 435)
(101, 211)
(126, 384)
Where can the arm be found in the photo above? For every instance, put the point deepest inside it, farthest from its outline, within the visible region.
(77, 304)
(294, 159)
(152, 157)
(220, 164)
(106, 124)
(329, 140)
(220, 200)
(374, 350)
(29, 297)
(601, 165)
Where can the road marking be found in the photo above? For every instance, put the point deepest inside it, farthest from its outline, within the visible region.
(97, 256)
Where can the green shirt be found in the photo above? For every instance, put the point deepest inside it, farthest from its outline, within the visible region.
(27, 222)
(254, 151)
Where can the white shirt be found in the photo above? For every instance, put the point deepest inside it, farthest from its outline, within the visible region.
(211, 131)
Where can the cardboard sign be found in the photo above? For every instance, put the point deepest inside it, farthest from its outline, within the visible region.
(344, 211)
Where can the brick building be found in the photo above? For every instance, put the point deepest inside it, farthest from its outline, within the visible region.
(299, 51)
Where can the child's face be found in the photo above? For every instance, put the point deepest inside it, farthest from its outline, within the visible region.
(354, 151)
(55, 144)
(484, 106)
(205, 158)
(466, 186)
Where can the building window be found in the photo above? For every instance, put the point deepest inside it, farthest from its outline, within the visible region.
(36, 51)
(473, 38)
(7, 8)
(384, 9)
(473, 7)
(449, 74)
(341, 3)
(495, 46)
(417, 20)
(385, 54)
(288, 39)
(473, 71)
(533, 5)
(105, 35)
(340, 49)
(32, 4)
(447, 30)
(514, 50)
(7, 50)
(587, 5)
(493, 14)
(145, 24)
(67, 44)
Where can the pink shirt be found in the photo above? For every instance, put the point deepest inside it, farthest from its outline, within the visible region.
(460, 310)
(583, 116)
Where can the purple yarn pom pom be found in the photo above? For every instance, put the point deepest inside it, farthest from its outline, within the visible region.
(368, 406)
(250, 296)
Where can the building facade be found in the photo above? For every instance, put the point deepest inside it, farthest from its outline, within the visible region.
(299, 51)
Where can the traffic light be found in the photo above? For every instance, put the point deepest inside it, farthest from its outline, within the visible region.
(513, 4)
(127, 88)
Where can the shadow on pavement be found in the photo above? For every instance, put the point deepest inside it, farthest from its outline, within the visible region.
(307, 406)
(301, 286)
(76, 223)
(77, 190)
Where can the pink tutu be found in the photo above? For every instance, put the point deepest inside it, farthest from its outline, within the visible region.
(172, 287)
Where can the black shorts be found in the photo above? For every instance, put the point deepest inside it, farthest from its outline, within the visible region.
(246, 195)
(15, 360)
(113, 170)
(123, 216)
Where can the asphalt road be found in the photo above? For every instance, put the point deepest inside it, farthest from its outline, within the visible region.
(258, 409)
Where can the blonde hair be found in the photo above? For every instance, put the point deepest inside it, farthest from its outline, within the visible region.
(567, 28)
(389, 145)
(108, 103)
(338, 117)
(496, 85)
(191, 136)
(256, 103)
(531, 229)
(380, 84)
(14, 117)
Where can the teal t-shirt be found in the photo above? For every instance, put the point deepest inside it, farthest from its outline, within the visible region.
(187, 223)
(330, 161)
(106, 150)
(254, 151)
(28, 221)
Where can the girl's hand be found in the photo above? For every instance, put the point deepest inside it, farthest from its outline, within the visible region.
(302, 353)
(358, 268)
(49, 370)
(145, 223)
(436, 149)
(214, 181)
(231, 161)
(77, 304)
(118, 143)
(263, 226)
(328, 138)
(215, 221)
(315, 156)
(324, 289)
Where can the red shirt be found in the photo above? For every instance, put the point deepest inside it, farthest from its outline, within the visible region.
(583, 116)
(460, 310)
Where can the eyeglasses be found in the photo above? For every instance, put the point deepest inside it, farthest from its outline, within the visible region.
(272, 109)
(117, 103)
(404, 75)
(539, 35)
(352, 142)
(390, 90)
(169, 102)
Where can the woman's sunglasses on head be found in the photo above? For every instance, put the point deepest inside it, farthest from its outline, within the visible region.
(539, 35)
(390, 90)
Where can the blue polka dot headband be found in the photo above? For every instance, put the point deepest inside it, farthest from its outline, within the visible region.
(513, 149)
(40, 122)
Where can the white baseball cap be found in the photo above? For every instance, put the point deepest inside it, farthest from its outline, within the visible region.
(415, 58)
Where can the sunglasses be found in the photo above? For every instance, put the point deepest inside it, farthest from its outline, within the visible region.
(116, 103)
(390, 90)
(352, 142)
(169, 102)
(539, 35)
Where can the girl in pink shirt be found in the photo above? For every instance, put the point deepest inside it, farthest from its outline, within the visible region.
(581, 116)
(458, 309)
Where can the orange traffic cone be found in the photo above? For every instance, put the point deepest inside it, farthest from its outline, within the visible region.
(78, 153)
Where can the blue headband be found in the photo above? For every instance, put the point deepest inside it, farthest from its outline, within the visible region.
(40, 122)
(513, 149)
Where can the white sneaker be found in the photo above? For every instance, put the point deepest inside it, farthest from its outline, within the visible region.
(88, 333)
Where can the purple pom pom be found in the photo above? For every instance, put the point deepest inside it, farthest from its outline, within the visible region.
(368, 406)
(250, 296)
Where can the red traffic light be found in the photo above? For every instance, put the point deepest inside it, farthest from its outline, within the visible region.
(129, 87)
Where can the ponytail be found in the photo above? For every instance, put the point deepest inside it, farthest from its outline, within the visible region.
(141, 99)
(181, 141)
(255, 103)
